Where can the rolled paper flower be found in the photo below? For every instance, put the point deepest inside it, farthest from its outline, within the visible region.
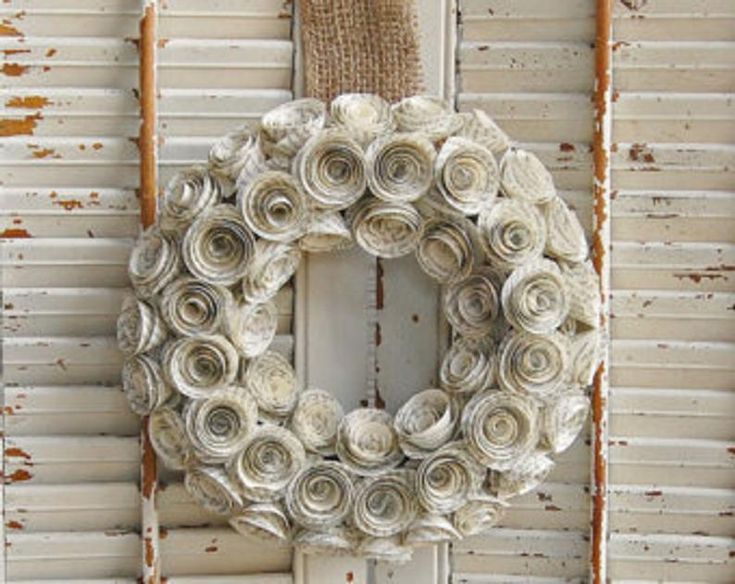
(169, 439)
(523, 176)
(252, 327)
(217, 247)
(139, 327)
(430, 529)
(335, 541)
(191, 307)
(445, 251)
(500, 428)
(472, 305)
(287, 127)
(428, 114)
(478, 515)
(367, 442)
(583, 290)
(198, 366)
(219, 425)
(481, 129)
(267, 463)
(563, 420)
(532, 364)
(315, 421)
(365, 116)
(253, 164)
(263, 521)
(326, 232)
(523, 477)
(468, 366)
(425, 422)
(565, 238)
(400, 167)
(332, 169)
(188, 194)
(143, 384)
(584, 357)
(272, 381)
(385, 549)
(386, 230)
(467, 175)
(446, 478)
(274, 206)
(228, 155)
(154, 262)
(535, 299)
(212, 489)
(321, 495)
(385, 505)
(513, 233)
(273, 265)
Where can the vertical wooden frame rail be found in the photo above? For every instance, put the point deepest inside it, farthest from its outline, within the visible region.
(601, 144)
(147, 143)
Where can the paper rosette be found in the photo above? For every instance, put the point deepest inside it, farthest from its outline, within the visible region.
(524, 177)
(532, 364)
(192, 307)
(522, 477)
(332, 169)
(468, 366)
(563, 420)
(316, 419)
(367, 442)
(426, 422)
(478, 515)
(266, 464)
(230, 154)
(212, 489)
(584, 357)
(446, 478)
(198, 366)
(139, 327)
(169, 439)
(582, 287)
(512, 232)
(472, 305)
(188, 194)
(385, 505)
(467, 175)
(565, 238)
(219, 425)
(217, 246)
(263, 521)
(534, 298)
(154, 262)
(321, 495)
(428, 115)
(400, 167)
(252, 327)
(272, 381)
(287, 127)
(335, 541)
(500, 428)
(481, 129)
(445, 251)
(273, 265)
(427, 529)
(386, 230)
(143, 384)
(364, 116)
(326, 231)
(274, 206)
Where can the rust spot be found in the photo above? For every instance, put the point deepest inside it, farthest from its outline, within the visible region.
(162, 43)
(163, 532)
(725, 514)
(51, 52)
(22, 127)
(415, 317)
(14, 69)
(20, 475)
(45, 153)
(15, 452)
(697, 278)
(634, 5)
(655, 493)
(641, 152)
(7, 29)
(210, 549)
(619, 44)
(349, 577)
(483, 48)
(379, 288)
(148, 463)
(543, 496)
(97, 145)
(69, 204)
(552, 508)
(14, 525)
(615, 95)
(731, 450)
(150, 552)
(8, 52)
(379, 401)
(566, 147)
(15, 233)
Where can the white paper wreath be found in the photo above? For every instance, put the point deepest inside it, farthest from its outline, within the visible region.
(286, 463)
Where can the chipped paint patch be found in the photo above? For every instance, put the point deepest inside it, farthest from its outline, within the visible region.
(15, 233)
(28, 101)
(14, 69)
(19, 127)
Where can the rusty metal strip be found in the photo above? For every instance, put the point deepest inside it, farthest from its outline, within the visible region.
(601, 144)
(150, 534)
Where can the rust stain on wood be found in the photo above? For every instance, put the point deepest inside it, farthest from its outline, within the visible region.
(51, 52)
(69, 204)
(148, 462)
(147, 139)
(14, 525)
(8, 52)
(19, 476)
(15, 452)
(28, 102)
(7, 29)
(15, 233)
(19, 127)
(14, 69)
